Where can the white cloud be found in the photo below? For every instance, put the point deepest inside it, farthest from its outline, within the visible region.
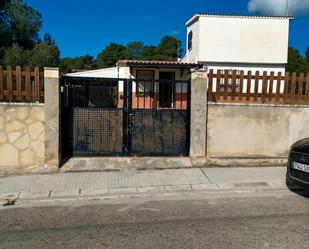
(174, 33)
(278, 7)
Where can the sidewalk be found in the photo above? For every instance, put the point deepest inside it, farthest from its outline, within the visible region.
(134, 182)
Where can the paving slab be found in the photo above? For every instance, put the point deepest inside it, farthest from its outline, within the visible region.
(64, 193)
(93, 192)
(178, 188)
(34, 195)
(131, 181)
(204, 186)
(235, 175)
(12, 195)
(123, 191)
(150, 189)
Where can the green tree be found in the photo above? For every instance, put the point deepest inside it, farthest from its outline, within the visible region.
(6, 39)
(307, 53)
(170, 48)
(134, 50)
(45, 54)
(296, 62)
(16, 56)
(23, 23)
(49, 39)
(150, 53)
(68, 64)
(111, 54)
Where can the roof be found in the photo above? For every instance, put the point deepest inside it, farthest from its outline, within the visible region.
(111, 72)
(157, 64)
(197, 16)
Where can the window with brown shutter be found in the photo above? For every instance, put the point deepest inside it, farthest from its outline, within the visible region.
(190, 38)
(145, 82)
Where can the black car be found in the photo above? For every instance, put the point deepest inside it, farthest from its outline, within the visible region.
(298, 164)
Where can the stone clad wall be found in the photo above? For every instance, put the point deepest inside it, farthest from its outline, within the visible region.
(22, 136)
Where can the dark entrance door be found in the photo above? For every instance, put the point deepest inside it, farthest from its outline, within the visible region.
(166, 89)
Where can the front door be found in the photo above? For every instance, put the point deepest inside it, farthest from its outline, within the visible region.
(166, 89)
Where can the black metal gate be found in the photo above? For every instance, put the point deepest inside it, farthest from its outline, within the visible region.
(121, 117)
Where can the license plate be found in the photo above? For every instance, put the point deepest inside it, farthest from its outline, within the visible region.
(301, 167)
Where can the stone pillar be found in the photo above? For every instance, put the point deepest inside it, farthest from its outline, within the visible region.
(52, 119)
(198, 131)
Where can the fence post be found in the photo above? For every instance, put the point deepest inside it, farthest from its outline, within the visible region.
(198, 114)
(52, 110)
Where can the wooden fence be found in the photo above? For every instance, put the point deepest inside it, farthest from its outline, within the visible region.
(21, 85)
(238, 87)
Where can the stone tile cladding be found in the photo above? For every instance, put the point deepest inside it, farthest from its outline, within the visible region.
(22, 135)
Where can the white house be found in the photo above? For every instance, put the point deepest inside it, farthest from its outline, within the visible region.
(238, 42)
(155, 84)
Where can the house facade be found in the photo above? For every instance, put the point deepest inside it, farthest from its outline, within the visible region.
(155, 84)
(237, 42)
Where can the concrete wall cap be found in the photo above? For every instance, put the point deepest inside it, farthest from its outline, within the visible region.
(201, 74)
(51, 72)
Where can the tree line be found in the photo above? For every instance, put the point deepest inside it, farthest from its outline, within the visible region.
(169, 49)
(297, 62)
(20, 44)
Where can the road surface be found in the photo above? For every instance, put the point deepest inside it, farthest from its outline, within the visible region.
(231, 220)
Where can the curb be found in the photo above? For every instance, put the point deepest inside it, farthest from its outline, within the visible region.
(122, 194)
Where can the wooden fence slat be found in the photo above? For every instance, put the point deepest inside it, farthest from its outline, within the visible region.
(218, 79)
(226, 84)
(28, 83)
(307, 88)
(271, 86)
(233, 85)
(37, 84)
(241, 85)
(256, 85)
(278, 88)
(286, 87)
(18, 83)
(9, 83)
(249, 86)
(210, 83)
(264, 87)
(1, 83)
(293, 88)
(300, 87)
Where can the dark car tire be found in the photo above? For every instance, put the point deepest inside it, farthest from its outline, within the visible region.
(293, 186)
(289, 183)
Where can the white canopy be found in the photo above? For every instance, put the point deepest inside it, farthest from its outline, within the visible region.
(111, 72)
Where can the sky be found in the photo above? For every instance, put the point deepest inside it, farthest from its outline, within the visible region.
(86, 27)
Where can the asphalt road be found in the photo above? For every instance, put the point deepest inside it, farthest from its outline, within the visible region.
(264, 220)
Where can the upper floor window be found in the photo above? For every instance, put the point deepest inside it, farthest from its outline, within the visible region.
(190, 37)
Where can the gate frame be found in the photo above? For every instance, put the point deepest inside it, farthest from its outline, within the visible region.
(127, 114)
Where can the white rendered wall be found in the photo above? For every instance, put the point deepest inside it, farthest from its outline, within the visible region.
(193, 54)
(240, 40)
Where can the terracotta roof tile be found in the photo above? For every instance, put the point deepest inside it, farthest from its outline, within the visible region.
(157, 63)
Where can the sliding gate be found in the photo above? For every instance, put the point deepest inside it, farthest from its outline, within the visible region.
(121, 117)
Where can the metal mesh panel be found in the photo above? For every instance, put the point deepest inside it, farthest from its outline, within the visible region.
(159, 132)
(98, 120)
(97, 131)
